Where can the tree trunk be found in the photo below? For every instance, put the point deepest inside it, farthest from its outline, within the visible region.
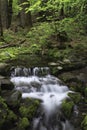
(10, 12)
(25, 18)
(4, 13)
(1, 29)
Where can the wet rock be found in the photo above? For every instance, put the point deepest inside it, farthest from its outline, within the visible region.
(85, 92)
(4, 69)
(23, 123)
(12, 98)
(7, 117)
(72, 81)
(29, 108)
(36, 85)
(6, 84)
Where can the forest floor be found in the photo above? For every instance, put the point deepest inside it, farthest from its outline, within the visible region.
(68, 63)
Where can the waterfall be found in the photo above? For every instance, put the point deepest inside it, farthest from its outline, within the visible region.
(38, 83)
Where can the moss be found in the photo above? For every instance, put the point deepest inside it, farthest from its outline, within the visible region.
(85, 92)
(29, 108)
(67, 108)
(84, 123)
(7, 117)
(3, 111)
(23, 123)
(11, 116)
(76, 97)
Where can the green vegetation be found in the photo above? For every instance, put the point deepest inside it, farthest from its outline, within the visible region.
(29, 108)
(67, 108)
(76, 97)
(55, 29)
(23, 123)
(84, 123)
(6, 115)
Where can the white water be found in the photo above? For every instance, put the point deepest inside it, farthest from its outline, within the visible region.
(46, 88)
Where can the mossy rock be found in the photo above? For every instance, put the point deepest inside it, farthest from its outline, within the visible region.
(4, 69)
(6, 84)
(66, 77)
(67, 108)
(11, 116)
(76, 97)
(29, 108)
(84, 123)
(85, 92)
(3, 111)
(13, 100)
(7, 117)
(23, 123)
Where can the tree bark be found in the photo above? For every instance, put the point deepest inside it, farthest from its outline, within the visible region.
(10, 12)
(25, 18)
(4, 12)
(1, 29)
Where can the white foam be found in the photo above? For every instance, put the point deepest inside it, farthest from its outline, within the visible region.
(50, 92)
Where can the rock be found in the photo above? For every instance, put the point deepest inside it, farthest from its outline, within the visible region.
(23, 123)
(36, 85)
(85, 92)
(6, 84)
(13, 98)
(72, 81)
(29, 108)
(53, 64)
(4, 69)
(59, 67)
(7, 117)
(67, 108)
(66, 77)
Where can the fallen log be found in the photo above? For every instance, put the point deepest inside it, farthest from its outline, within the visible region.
(13, 45)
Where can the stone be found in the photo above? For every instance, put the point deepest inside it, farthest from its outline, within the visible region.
(4, 69)
(13, 99)
(7, 117)
(23, 123)
(6, 84)
(29, 108)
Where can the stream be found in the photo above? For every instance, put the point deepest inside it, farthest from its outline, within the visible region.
(38, 83)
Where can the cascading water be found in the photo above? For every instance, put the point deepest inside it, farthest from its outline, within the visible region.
(39, 84)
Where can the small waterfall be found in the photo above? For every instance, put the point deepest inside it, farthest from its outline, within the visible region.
(37, 83)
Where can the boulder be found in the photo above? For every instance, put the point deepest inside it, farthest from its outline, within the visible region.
(29, 108)
(6, 84)
(12, 98)
(23, 123)
(7, 117)
(4, 69)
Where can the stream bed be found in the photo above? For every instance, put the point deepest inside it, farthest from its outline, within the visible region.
(38, 83)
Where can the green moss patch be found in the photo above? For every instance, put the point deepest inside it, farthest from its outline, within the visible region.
(67, 108)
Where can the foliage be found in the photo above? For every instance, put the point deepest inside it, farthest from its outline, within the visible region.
(23, 123)
(76, 97)
(39, 35)
(29, 108)
(16, 7)
(84, 123)
(67, 108)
